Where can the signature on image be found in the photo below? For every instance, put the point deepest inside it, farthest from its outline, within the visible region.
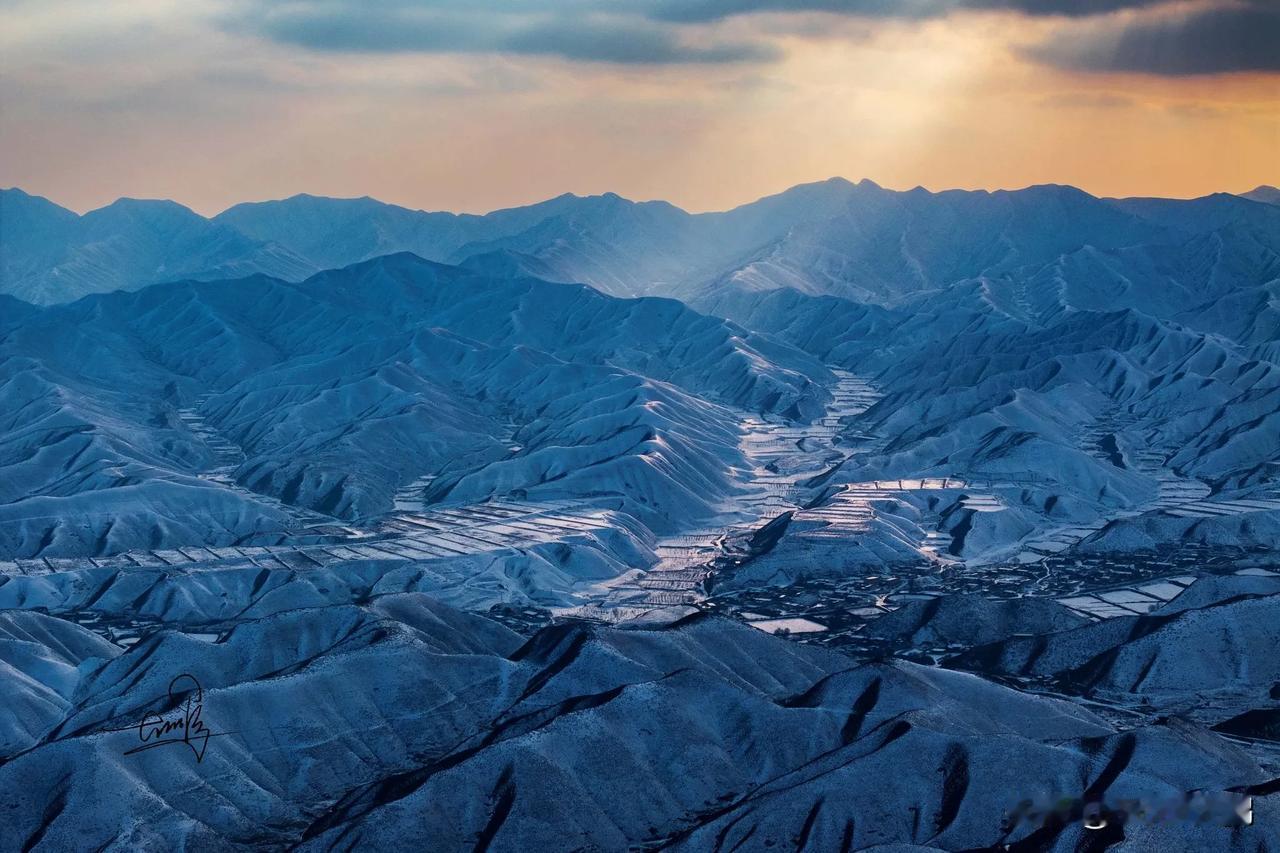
(182, 725)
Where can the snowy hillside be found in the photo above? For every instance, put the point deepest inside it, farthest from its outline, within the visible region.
(834, 237)
(49, 254)
(847, 519)
(704, 732)
(332, 394)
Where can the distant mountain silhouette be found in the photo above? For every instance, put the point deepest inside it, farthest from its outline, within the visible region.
(832, 237)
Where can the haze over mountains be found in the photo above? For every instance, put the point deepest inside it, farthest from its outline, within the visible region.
(833, 237)
(477, 527)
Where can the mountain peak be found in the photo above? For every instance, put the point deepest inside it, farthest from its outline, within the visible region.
(310, 198)
(148, 207)
(1055, 191)
(1264, 193)
(14, 199)
(129, 202)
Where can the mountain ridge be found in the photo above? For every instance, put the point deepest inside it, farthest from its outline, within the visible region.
(833, 236)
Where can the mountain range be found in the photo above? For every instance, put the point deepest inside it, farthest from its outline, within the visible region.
(834, 237)
(847, 519)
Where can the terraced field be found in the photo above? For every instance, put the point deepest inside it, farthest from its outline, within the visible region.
(784, 457)
(413, 532)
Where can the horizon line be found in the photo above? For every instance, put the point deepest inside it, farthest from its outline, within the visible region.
(607, 193)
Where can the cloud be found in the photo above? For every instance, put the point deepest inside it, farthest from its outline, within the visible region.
(1194, 110)
(629, 44)
(703, 11)
(1088, 100)
(1163, 37)
(714, 10)
(1066, 8)
(1219, 39)
(578, 31)
(331, 27)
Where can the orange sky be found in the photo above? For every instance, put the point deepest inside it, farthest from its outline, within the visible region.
(157, 99)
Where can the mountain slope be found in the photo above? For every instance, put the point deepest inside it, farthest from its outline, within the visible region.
(50, 255)
(833, 237)
(1264, 193)
(340, 390)
(701, 730)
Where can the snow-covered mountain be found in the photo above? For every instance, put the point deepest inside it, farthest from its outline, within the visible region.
(377, 725)
(846, 519)
(1024, 327)
(343, 388)
(1068, 418)
(1263, 193)
(49, 254)
(834, 237)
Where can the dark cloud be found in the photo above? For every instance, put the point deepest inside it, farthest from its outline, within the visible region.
(1211, 40)
(544, 29)
(1158, 37)
(713, 10)
(703, 11)
(333, 28)
(633, 43)
(1065, 8)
